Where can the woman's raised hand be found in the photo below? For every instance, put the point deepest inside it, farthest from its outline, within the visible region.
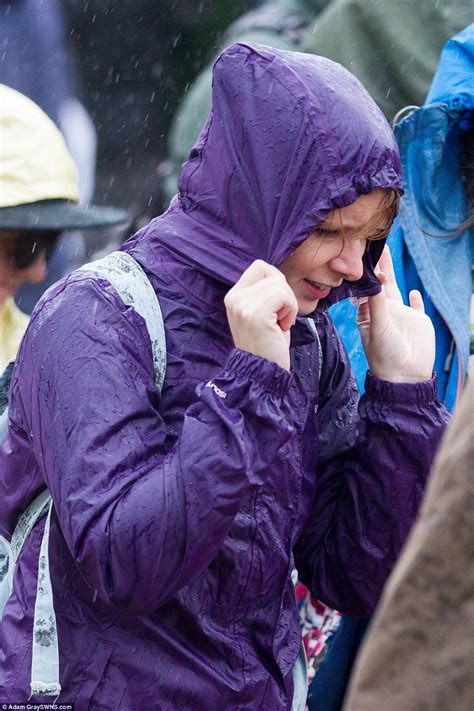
(261, 309)
(399, 340)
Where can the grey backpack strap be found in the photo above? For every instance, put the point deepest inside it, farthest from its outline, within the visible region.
(3, 423)
(132, 285)
(134, 288)
(45, 647)
(11, 550)
(45, 654)
(5, 381)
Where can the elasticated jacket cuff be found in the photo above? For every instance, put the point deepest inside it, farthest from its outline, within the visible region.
(270, 375)
(401, 393)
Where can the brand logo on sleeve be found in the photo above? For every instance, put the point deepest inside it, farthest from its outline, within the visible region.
(218, 391)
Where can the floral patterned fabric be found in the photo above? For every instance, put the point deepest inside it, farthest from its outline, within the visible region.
(318, 624)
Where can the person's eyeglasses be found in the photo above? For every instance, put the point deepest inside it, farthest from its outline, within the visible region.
(28, 245)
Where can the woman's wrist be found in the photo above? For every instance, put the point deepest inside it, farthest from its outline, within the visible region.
(408, 379)
(407, 393)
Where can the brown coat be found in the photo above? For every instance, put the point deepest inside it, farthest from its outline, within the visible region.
(419, 653)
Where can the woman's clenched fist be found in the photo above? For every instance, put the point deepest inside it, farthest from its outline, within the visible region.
(261, 309)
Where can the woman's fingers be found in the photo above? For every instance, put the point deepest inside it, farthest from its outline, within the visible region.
(378, 316)
(363, 315)
(257, 271)
(286, 318)
(271, 292)
(416, 301)
(261, 308)
(385, 265)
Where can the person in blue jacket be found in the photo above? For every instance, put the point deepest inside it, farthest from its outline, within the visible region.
(430, 249)
(431, 244)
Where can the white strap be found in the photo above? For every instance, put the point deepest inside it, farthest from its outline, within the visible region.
(3, 423)
(134, 288)
(312, 326)
(45, 654)
(26, 522)
(300, 681)
(11, 550)
(300, 667)
(6, 573)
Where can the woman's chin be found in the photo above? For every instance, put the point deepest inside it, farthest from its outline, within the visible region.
(307, 307)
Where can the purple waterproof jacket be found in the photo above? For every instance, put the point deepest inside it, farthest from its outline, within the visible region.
(179, 518)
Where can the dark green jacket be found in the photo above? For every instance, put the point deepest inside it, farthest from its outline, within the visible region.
(392, 46)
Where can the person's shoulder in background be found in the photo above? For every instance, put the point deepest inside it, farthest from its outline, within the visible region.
(392, 46)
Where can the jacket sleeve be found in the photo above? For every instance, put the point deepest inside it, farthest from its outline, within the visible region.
(140, 524)
(374, 458)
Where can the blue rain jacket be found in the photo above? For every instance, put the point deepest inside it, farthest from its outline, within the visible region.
(425, 256)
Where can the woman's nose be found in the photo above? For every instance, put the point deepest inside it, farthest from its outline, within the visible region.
(348, 263)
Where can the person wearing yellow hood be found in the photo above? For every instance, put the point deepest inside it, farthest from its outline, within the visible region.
(38, 200)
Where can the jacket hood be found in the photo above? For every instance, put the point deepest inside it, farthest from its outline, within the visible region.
(435, 202)
(434, 187)
(289, 138)
(453, 82)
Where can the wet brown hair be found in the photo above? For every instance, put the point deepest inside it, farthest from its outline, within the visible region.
(385, 215)
(382, 219)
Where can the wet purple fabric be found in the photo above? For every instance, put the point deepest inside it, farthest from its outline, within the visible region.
(179, 518)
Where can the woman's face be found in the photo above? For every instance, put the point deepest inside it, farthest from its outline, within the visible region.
(331, 253)
(11, 276)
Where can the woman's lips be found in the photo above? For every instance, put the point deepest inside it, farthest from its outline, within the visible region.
(314, 291)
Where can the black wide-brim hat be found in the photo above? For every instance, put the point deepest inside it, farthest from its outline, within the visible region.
(58, 215)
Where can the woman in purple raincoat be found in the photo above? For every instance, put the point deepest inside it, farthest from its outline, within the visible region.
(178, 518)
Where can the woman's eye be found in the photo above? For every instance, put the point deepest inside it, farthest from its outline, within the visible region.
(327, 234)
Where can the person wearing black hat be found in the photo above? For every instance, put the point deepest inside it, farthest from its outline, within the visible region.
(38, 200)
